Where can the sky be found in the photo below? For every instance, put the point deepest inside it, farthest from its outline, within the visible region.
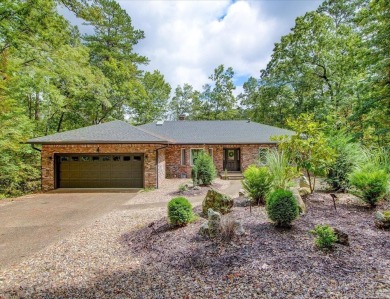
(187, 39)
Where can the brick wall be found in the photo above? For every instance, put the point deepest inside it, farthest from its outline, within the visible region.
(249, 154)
(149, 151)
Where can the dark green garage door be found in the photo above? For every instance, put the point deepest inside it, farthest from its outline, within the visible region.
(100, 171)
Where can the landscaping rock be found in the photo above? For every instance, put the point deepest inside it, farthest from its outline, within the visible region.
(303, 182)
(342, 237)
(241, 193)
(303, 191)
(196, 188)
(204, 229)
(238, 228)
(217, 201)
(382, 220)
(214, 223)
(301, 203)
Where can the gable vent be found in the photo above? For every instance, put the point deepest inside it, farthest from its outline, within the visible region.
(160, 123)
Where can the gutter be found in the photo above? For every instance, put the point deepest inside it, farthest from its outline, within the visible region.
(157, 149)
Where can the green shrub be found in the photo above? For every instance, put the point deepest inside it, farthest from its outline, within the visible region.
(257, 182)
(194, 175)
(282, 207)
(326, 236)
(180, 211)
(348, 156)
(371, 184)
(204, 169)
(183, 187)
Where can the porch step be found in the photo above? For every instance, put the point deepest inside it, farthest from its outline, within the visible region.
(231, 175)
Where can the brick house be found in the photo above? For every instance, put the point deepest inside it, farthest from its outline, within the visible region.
(119, 155)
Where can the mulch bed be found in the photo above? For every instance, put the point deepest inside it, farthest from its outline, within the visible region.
(267, 262)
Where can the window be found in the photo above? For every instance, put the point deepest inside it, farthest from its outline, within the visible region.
(95, 158)
(126, 158)
(116, 158)
(106, 158)
(183, 156)
(263, 155)
(85, 158)
(64, 158)
(195, 153)
(137, 158)
(75, 159)
(211, 152)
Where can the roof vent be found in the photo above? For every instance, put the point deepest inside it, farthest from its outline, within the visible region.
(249, 120)
(160, 123)
(182, 117)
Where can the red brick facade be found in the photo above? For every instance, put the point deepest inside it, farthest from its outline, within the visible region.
(149, 151)
(160, 161)
(249, 154)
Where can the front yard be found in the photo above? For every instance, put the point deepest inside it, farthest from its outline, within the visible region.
(133, 253)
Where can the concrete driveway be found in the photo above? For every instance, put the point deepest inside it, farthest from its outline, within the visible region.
(30, 223)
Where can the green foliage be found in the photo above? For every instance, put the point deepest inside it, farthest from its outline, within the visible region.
(349, 155)
(204, 169)
(326, 236)
(308, 147)
(180, 211)
(183, 187)
(257, 182)
(371, 183)
(282, 207)
(281, 169)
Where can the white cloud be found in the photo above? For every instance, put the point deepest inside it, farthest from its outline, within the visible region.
(187, 40)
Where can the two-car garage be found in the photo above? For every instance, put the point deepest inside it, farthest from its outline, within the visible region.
(99, 171)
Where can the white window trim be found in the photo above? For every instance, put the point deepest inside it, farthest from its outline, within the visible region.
(260, 148)
(211, 150)
(182, 156)
(201, 148)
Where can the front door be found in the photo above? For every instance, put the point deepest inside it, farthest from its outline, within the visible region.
(231, 159)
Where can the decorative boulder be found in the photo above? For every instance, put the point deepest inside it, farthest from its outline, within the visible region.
(303, 182)
(342, 237)
(241, 193)
(217, 201)
(204, 229)
(303, 191)
(214, 224)
(301, 203)
(382, 220)
(238, 228)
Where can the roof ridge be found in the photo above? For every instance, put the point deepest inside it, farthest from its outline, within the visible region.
(164, 138)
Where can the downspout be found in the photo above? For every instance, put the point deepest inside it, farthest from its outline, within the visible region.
(157, 162)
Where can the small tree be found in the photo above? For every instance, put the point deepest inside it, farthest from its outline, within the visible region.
(308, 147)
(257, 182)
(204, 169)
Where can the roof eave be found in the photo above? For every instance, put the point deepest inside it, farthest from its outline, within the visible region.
(96, 142)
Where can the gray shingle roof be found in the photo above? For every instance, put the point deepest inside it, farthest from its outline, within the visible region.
(216, 132)
(111, 132)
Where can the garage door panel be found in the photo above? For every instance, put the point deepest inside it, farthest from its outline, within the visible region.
(100, 171)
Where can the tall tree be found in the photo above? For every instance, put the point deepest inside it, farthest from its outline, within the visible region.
(152, 103)
(183, 102)
(218, 100)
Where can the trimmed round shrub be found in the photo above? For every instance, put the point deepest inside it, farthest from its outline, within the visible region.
(326, 236)
(180, 211)
(282, 207)
(257, 182)
(371, 184)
